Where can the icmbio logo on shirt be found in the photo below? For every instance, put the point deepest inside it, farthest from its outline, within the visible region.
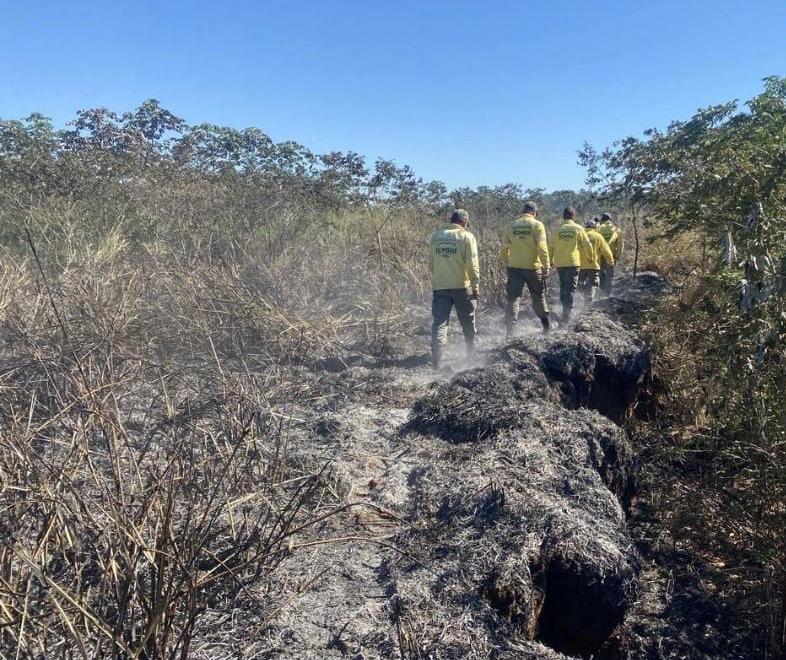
(445, 250)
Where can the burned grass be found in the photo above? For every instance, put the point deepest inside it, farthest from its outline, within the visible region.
(510, 504)
(513, 527)
(480, 402)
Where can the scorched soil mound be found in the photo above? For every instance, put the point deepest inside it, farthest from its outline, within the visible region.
(485, 510)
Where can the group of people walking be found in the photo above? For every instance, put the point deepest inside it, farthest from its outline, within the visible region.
(583, 256)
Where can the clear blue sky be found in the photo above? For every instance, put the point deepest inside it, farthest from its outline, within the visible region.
(468, 92)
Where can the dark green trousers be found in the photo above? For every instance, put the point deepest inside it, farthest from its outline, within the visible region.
(606, 276)
(568, 283)
(589, 281)
(442, 304)
(533, 279)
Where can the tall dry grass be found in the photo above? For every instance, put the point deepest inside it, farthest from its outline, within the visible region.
(145, 474)
(153, 337)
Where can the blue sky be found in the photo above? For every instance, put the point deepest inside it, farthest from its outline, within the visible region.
(467, 92)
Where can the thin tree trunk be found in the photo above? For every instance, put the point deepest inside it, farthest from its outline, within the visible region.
(781, 634)
(636, 252)
(379, 247)
(703, 255)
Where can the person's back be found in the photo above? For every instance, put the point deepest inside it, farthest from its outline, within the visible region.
(455, 272)
(454, 258)
(525, 244)
(525, 254)
(589, 275)
(613, 237)
(568, 245)
(568, 242)
(600, 251)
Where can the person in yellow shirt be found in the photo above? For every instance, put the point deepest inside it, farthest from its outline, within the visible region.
(616, 243)
(567, 244)
(589, 275)
(455, 273)
(525, 254)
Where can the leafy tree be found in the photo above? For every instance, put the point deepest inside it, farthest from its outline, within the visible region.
(154, 123)
(722, 174)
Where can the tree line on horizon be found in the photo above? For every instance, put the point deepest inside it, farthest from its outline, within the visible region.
(100, 147)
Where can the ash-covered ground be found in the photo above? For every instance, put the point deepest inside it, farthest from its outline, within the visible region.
(483, 512)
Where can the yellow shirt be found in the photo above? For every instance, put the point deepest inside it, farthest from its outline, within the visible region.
(524, 244)
(567, 243)
(613, 237)
(453, 258)
(600, 249)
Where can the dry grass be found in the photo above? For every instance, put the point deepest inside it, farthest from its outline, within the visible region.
(145, 471)
(724, 505)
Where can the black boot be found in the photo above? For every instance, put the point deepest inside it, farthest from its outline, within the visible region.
(544, 321)
(436, 359)
(469, 348)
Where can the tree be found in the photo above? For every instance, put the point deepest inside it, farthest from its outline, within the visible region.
(386, 189)
(722, 174)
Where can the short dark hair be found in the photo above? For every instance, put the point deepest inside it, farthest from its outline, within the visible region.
(569, 213)
(530, 207)
(458, 216)
(605, 216)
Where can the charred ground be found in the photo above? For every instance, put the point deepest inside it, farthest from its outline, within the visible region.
(486, 510)
(355, 504)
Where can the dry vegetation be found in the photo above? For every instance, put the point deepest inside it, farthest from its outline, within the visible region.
(159, 300)
(170, 298)
(145, 473)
